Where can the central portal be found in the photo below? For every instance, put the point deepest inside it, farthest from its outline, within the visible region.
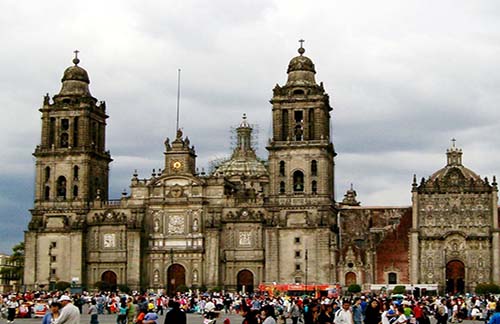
(455, 276)
(245, 280)
(176, 277)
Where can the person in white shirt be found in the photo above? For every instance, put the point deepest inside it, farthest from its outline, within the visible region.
(12, 305)
(69, 314)
(344, 315)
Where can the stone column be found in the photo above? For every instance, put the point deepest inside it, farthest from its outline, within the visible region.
(495, 243)
(414, 258)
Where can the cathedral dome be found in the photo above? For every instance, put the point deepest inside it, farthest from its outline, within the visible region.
(301, 63)
(244, 161)
(301, 70)
(75, 81)
(75, 73)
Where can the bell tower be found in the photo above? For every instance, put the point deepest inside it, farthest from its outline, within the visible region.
(72, 164)
(301, 154)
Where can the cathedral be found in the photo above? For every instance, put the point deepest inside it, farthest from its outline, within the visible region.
(247, 222)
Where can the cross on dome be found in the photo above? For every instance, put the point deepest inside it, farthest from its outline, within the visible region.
(301, 49)
(76, 60)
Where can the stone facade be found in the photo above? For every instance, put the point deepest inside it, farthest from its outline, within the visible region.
(248, 221)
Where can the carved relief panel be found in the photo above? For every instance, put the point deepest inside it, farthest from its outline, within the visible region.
(470, 213)
(176, 224)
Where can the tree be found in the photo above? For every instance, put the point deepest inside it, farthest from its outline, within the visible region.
(62, 285)
(487, 288)
(399, 290)
(354, 288)
(15, 269)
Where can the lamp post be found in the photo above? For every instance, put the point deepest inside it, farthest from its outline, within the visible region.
(50, 267)
(306, 259)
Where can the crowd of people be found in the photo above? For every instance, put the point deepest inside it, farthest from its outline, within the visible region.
(258, 308)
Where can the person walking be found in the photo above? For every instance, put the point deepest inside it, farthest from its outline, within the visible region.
(50, 317)
(175, 315)
(344, 315)
(70, 314)
(12, 305)
(93, 312)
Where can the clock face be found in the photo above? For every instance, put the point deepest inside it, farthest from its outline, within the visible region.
(176, 165)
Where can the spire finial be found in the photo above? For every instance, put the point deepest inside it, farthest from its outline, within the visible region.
(453, 142)
(301, 49)
(352, 187)
(76, 60)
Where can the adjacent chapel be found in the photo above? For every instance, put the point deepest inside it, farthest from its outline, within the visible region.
(248, 221)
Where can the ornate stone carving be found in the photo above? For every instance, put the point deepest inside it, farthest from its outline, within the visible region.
(245, 238)
(176, 224)
(109, 240)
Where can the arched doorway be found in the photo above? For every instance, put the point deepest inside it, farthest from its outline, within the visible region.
(350, 278)
(455, 276)
(176, 276)
(245, 281)
(109, 281)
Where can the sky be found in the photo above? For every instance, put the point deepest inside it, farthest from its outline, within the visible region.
(404, 78)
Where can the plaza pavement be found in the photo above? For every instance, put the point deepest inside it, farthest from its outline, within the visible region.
(111, 319)
(191, 319)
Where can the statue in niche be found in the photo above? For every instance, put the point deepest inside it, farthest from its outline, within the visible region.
(195, 275)
(195, 225)
(156, 226)
(156, 277)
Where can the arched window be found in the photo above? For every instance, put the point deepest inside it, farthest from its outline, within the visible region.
(298, 181)
(47, 174)
(52, 131)
(282, 168)
(76, 170)
(282, 187)
(47, 193)
(310, 118)
(314, 168)
(284, 125)
(392, 278)
(61, 187)
(314, 187)
(75, 132)
(64, 140)
(75, 191)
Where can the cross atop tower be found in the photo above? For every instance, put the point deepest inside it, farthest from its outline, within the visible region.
(301, 49)
(76, 60)
(453, 142)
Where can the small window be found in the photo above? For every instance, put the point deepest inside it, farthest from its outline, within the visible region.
(53, 245)
(297, 254)
(76, 171)
(297, 240)
(314, 168)
(393, 278)
(53, 258)
(282, 187)
(75, 191)
(298, 92)
(298, 280)
(297, 267)
(53, 271)
(282, 168)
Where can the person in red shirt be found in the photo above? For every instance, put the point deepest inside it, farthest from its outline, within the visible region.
(418, 311)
